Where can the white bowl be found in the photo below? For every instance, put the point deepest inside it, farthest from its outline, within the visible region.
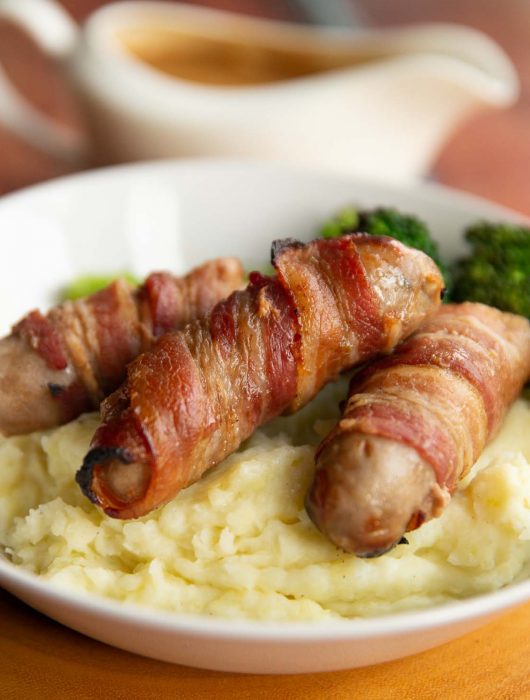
(174, 215)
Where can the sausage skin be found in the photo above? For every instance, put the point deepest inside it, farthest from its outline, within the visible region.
(414, 424)
(54, 367)
(192, 400)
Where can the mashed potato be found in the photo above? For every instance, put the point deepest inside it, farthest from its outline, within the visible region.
(239, 543)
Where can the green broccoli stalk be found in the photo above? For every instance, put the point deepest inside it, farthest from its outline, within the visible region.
(497, 271)
(85, 285)
(345, 221)
(387, 222)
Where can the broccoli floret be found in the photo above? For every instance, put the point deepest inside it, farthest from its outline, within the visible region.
(387, 222)
(497, 271)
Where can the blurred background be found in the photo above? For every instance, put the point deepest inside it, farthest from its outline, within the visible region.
(489, 155)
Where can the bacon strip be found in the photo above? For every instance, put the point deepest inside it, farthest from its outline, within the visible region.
(193, 399)
(440, 397)
(54, 367)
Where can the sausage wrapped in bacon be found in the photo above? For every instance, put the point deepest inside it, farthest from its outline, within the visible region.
(415, 423)
(54, 367)
(200, 392)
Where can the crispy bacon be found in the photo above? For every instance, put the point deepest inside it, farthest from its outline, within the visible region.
(44, 338)
(438, 399)
(54, 367)
(200, 392)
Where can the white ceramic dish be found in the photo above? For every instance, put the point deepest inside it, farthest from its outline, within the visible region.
(174, 215)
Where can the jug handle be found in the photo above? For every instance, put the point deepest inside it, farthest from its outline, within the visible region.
(56, 34)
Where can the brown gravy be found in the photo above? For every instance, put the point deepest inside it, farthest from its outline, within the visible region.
(222, 61)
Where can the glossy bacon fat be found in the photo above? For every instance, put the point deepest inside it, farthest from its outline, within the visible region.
(415, 423)
(193, 399)
(54, 367)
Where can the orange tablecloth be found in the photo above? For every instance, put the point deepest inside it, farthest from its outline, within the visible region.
(491, 157)
(40, 658)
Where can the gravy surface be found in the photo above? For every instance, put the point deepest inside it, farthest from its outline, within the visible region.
(223, 61)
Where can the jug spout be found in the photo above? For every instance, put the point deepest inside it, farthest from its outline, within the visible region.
(424, 83)
(474, 61)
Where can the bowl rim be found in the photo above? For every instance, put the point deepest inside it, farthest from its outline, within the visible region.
(427, 190)
(442, 615)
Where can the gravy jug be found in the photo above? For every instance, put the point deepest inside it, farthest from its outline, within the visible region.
(166, 80)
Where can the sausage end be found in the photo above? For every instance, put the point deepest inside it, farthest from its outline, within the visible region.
(368, 491)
